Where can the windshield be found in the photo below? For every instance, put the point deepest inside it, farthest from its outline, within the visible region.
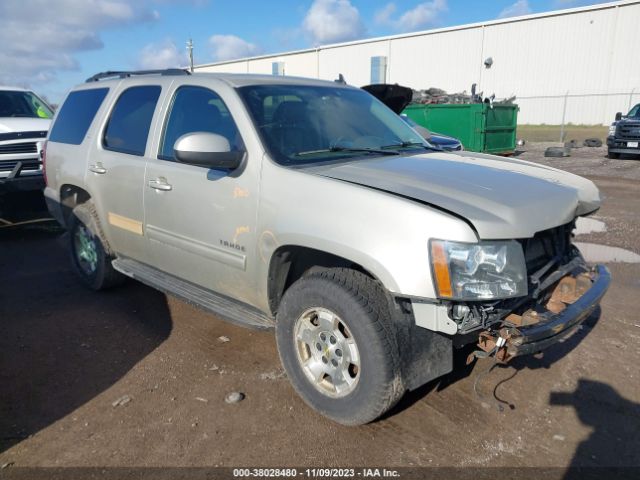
(635, 111)
(22, 104)
(308, 124)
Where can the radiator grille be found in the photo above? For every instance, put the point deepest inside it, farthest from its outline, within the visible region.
(547, 245)
(629, 131)
(23, 147)
(28, 165)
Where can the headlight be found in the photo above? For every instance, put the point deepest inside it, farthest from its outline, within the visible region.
(612, 131)
(478, 271)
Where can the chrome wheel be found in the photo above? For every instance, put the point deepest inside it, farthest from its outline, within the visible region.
(85, 249)
(327, 352)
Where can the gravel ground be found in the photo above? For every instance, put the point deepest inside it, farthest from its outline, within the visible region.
(131, 377)
(585, 161)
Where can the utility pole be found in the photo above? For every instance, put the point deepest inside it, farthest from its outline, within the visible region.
(190, 49)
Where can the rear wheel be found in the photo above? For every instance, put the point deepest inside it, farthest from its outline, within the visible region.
(89, 258)
(337, 345)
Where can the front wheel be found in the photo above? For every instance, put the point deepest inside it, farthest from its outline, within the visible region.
(338, 347)
(88, 256)
(612, 155)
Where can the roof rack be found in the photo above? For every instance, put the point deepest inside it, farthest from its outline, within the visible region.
(125, 74)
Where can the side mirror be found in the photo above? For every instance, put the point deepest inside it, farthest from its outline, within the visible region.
(618, 116)
(206, 150)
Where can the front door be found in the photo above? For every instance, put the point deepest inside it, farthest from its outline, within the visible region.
(200, 222)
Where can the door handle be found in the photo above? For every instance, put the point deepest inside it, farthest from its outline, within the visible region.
(98, 168)
(160, 184)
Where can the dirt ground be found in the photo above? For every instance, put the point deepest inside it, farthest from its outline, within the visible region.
(67, 355)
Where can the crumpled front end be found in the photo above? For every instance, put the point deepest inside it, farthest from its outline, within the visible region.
(563, 292)
(573, 299)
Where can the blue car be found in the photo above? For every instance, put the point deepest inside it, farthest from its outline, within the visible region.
(436, 139)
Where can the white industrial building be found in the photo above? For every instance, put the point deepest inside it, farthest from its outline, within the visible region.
(581, 64)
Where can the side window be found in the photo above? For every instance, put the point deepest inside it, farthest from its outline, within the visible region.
(197, 109)
(128, 127)
(39, 107)
(76, 115)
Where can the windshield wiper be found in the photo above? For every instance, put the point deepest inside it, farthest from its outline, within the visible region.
(410, 144)
(347, 149)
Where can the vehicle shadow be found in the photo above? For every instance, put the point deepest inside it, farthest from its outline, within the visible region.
(60, 343)
(615, 422)
(462, 370)
(21, 206)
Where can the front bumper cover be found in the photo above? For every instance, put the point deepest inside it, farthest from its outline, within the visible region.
(550, 328)
(25, 183)
(616, 145)
(17, 181)
(625, 151)
(555, 327)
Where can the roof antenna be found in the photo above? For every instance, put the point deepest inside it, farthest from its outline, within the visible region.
(190, 49)
(340, 79)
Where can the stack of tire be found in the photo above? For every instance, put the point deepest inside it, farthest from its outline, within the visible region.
(565, 151)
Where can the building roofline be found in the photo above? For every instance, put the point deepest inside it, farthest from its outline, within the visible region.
(533, 16)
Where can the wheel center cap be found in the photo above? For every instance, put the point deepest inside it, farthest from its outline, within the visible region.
(323, 339)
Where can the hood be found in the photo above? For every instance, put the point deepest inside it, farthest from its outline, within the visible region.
(628, 121)
(21, 124)
(395, 97)
(502, 198)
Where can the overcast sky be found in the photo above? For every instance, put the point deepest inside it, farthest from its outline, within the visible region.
(51, 45)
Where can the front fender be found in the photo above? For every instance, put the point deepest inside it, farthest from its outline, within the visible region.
(387, 235)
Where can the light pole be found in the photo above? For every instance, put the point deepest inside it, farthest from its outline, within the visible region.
(190, 49)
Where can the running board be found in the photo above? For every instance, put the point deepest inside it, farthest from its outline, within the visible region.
(220, 305)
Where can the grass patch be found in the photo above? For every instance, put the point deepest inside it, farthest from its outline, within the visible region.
(551, 133)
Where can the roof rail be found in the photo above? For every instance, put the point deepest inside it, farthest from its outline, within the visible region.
(125, 74)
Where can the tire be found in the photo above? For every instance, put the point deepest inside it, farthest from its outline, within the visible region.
(349, 309)
(89, 259)
(613, 155)
(592, 142)
(556, 152)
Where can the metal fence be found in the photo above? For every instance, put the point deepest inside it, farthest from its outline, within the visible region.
(562, 117)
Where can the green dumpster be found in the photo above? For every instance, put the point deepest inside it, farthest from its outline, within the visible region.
(479, 126)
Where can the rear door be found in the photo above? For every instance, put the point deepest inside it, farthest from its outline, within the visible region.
(116, 166)
(201, 222)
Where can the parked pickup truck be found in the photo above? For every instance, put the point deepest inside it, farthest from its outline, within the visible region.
(312, 208)
(624, 134)
(24, 121)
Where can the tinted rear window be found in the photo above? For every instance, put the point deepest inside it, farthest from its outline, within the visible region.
(128, 126)
(76, 115)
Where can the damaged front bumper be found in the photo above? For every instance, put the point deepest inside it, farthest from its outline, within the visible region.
(574, 298)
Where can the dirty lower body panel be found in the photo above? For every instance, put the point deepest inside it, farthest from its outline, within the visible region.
(424, 354)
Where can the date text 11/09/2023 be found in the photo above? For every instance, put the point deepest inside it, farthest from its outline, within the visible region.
(316, 472)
